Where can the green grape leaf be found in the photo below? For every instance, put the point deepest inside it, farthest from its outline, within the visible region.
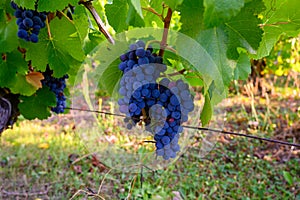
(111, 76)
(173, 4)
(80, 22)
(8, 36)
(58, 62)
(219, 11)
(52, 6)
(37, 53)
(285, 19)
(244, 31)
(243, 67)
(191, 10)
(133, 18)
(2, 4)
(270, 37)
(201, 60)
(116, 14)
(28, 4)
(61, 52)
(9, 68)
(107, 72)
(137, 6)
(21, 86)
(214, 42)
(93, 40)
(37, 105)
(193, 79)
(66, 38)
(207, 111)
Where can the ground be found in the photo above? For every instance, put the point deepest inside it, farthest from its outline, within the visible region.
(47, 160)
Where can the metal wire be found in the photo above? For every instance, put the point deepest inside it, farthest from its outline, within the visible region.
(202, 129)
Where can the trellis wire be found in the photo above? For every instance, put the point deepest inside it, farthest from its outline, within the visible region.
(201, 129)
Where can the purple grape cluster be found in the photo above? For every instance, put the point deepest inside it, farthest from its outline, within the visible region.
(162, 106)
(29, 22)
(57, 86)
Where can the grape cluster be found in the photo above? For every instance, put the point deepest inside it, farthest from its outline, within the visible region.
(57, 86)
(162, 106)
(29, 22)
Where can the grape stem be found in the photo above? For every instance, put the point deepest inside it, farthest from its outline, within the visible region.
(167, 21)
(176, 73)
(48, 28)
(101, 25)
(63, 14)
(157, 41)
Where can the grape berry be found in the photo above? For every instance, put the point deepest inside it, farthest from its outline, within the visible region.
(162, 106)
(29, 22)
(57, 86)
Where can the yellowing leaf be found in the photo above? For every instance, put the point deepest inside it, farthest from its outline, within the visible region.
(34, 78)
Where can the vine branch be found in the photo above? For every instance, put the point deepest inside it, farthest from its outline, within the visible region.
(154, 12)
(167, 21)
(101, 25)
(274, 24)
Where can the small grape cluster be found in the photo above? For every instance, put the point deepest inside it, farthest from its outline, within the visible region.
(29, 22)
(162, 106)
(57, 86)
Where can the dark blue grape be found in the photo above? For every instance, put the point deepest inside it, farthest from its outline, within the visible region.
(176, 115)
(28, 22)
(37, 21)
(143, 61)
(130, 63)
(34, 38)
(155, 93)
(158, 59)
(18, 13)
(140, 52)
(159, 145)
(150, 48)
(43, 16)
(133, 47)
(132, 107)
(27, 14)
(174, 101)
(13, 5)
(141, 44)
(36, 29)
(150, 69)
(165, 140)
(19, 21)
(123, 57)
(22, 33)
(123, 65)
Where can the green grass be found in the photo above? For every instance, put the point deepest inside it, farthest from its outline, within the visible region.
(36, 157)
